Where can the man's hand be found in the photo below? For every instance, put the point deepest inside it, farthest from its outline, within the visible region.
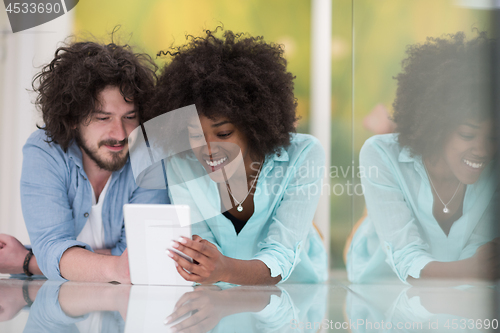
(12, 254)
(210, 267)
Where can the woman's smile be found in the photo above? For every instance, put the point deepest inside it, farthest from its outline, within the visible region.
(219, 145)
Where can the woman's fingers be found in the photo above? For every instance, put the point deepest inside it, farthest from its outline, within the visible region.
(195, 255)
(201, 245)
(197, 272)
(187, 276)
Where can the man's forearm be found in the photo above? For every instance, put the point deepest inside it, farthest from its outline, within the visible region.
(34, 269)
(103, 251)
(78, 264)
(250, 272)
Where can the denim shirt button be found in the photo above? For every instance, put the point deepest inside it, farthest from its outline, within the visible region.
(85, 178)
(86, 215)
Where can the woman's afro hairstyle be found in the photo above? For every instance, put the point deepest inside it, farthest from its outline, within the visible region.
(238, 77)
(68, 87)
(444, 82)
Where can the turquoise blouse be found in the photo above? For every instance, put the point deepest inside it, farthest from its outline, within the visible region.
(400, 234)
(280, 232)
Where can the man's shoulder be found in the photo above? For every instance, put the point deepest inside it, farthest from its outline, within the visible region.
(40, 139)
(39, 147)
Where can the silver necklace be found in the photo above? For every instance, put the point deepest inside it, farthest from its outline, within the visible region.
(445, 209)
(239, 208)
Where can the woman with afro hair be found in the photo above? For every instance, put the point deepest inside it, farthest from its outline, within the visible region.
(254, 209)
(431, 198)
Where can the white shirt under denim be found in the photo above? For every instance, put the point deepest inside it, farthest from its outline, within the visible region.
(56, 199)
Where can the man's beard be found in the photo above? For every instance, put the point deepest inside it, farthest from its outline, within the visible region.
(116, 163)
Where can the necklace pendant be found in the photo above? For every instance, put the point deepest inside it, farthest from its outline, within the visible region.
(445, 210)
(239, 209)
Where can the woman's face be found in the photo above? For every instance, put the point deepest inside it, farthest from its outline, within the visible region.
(469, 149)
(225, 150)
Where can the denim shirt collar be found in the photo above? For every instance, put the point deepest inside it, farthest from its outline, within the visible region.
(75, 154)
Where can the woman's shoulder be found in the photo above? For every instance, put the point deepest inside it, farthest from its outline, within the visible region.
(303, 142)
(302, 147)
(384, 141)
(383, 146)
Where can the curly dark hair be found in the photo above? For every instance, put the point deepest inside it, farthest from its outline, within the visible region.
(68, 87)
(239, 77)
(444, 82)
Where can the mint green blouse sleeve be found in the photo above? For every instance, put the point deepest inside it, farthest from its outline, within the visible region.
(293, 215)
(387, 200)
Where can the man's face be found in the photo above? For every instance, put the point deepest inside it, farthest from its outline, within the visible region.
(104, 138)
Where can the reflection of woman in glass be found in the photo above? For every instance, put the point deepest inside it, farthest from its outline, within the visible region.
(244, 99)
(429, 187)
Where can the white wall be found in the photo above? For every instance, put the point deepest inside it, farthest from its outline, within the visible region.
(21, 55)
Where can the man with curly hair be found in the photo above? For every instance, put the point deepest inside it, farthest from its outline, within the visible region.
(76, 174)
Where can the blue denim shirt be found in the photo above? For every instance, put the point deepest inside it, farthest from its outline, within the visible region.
(56, 199)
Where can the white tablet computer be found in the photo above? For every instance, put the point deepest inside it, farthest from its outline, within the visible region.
(150, 229)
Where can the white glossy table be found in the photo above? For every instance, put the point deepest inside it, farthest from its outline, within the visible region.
(48, 306)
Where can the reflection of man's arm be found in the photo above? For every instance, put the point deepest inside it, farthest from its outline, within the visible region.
(79, 299)
(15, 295)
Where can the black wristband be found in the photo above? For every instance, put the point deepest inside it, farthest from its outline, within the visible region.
(27, 263)
(26, 293)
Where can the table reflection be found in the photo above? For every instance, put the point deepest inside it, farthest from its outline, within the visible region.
(93, 307)
(78, 307)
(49, 306)
(17, 295)
(391, 308)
